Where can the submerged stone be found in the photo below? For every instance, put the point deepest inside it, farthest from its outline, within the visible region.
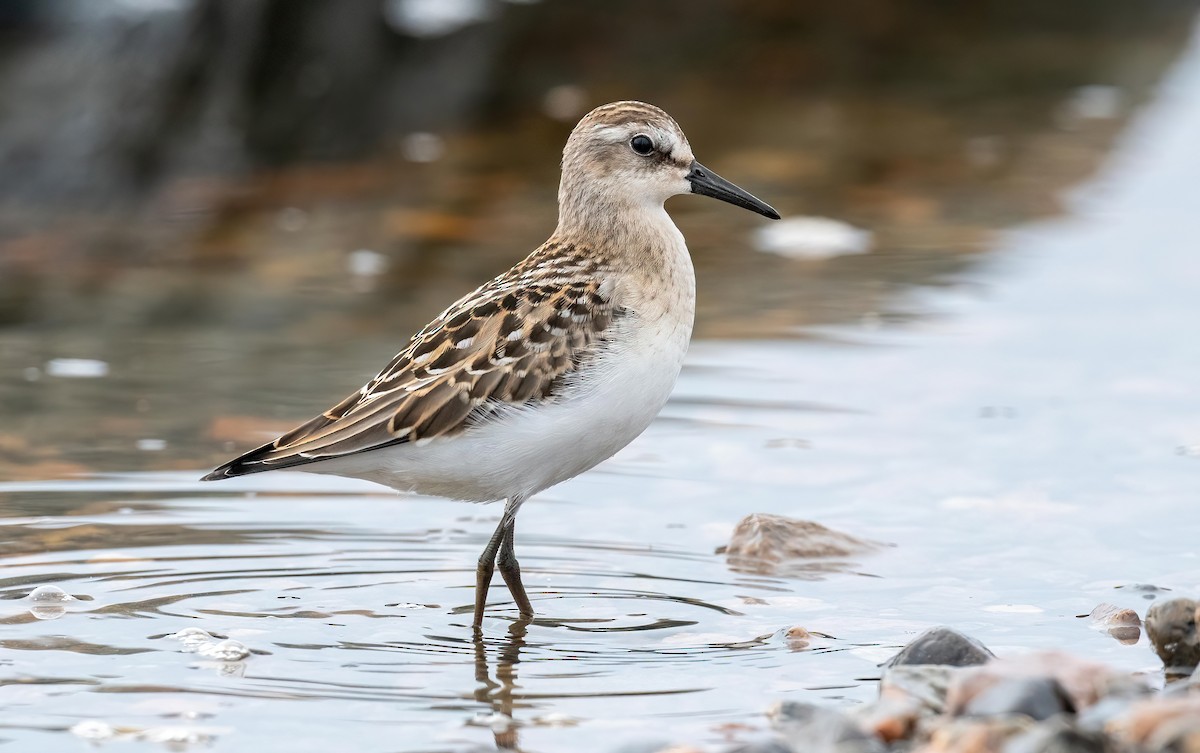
(776, 545)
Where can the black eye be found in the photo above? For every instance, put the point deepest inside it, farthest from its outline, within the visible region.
(642, 145)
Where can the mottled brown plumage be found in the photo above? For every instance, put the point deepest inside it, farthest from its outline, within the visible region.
(513, 340)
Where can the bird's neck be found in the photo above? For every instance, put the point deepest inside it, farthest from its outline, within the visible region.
(642, 245)
(625, 227)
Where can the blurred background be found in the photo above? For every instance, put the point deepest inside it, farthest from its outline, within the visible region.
(971, 337)
(233, 211)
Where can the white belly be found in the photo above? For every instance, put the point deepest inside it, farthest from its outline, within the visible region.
(528, 449)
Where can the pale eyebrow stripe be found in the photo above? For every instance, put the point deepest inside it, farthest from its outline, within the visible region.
(608, 131)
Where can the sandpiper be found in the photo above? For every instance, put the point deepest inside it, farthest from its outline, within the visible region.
(549, 368)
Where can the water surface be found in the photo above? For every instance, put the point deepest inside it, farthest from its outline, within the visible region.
(1022, 430)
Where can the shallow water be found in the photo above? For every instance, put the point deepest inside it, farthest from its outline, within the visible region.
(1023, 433)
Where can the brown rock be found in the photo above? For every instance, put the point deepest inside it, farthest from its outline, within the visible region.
(1111, 615)
(891, 718)
(797, 638)
(767, 544)
(1119, 622)
(1171, 626)
(974, 736)
(1161, 724)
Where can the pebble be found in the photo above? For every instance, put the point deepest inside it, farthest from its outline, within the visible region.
(1119, 622)
(944, 646)
(1171, 627)
(797, 638)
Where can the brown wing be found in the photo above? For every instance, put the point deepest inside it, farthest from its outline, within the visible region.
(511, 341)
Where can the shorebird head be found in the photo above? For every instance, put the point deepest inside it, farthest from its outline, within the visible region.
(635, 154)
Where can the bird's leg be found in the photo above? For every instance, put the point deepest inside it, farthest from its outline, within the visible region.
(510, 570)
(483, 573)
(487, 562)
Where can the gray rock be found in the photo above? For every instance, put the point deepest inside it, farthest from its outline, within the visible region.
(1036, 697)
(816, 729)
(1171, 626)
(1059, 736)
(945, 646)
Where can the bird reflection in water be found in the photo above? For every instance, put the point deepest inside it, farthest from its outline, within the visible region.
(498, 693)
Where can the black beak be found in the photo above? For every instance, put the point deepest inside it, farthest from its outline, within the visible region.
(707, 183)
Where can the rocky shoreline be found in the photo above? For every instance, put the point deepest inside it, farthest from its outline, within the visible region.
(946, 692)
